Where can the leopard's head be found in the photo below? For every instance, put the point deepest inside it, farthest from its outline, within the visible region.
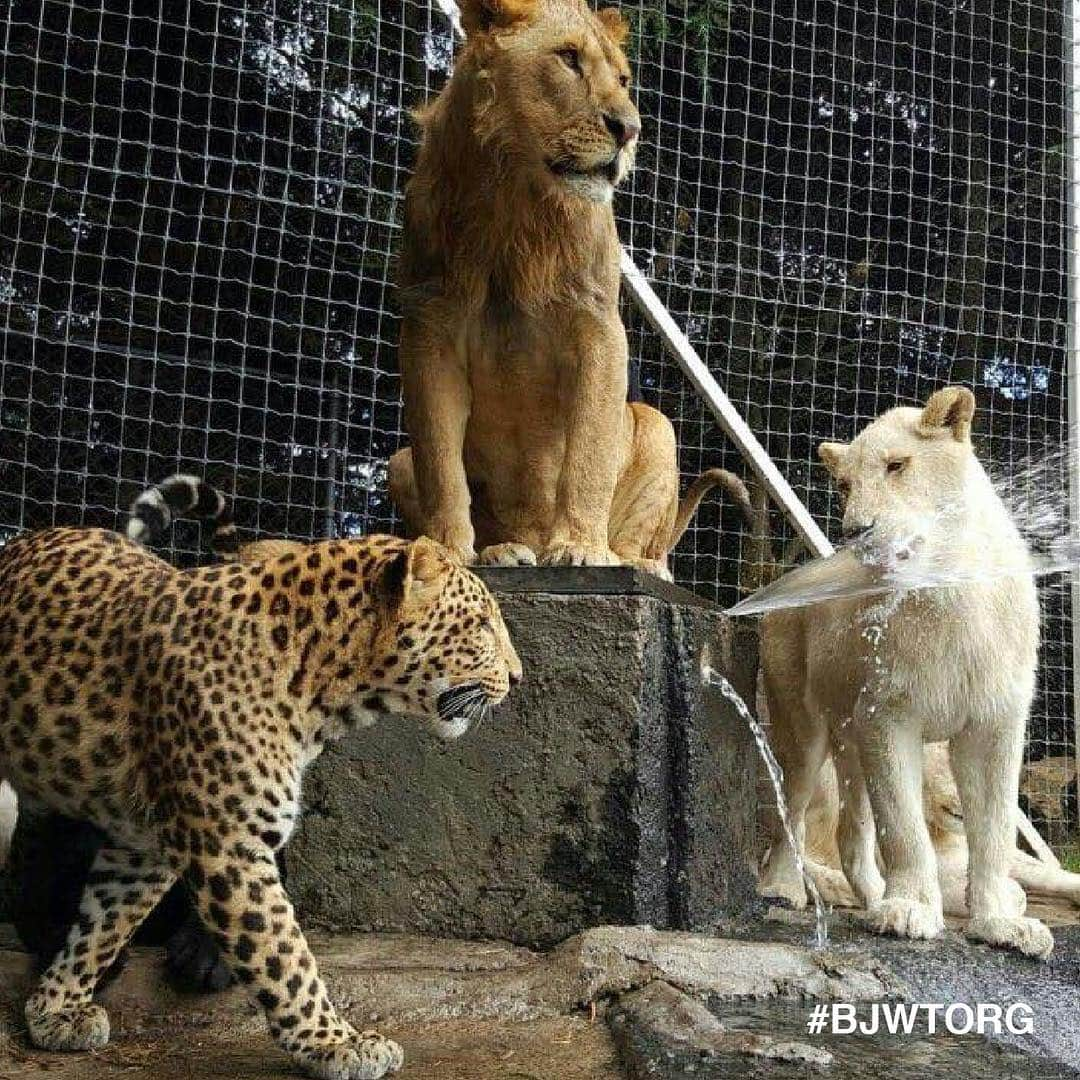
(441, 651)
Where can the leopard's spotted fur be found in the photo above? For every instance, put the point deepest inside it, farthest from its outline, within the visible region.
(176, 710)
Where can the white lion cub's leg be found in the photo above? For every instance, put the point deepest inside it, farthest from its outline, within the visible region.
(986, 764)
(801, 753)
(855, 827)
(891, 753)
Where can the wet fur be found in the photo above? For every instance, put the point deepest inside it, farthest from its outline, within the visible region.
(944, 819)
(957, 663)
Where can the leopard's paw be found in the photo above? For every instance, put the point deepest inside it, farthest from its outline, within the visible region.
(76, 1027)
(366, 1055)
(194, 960)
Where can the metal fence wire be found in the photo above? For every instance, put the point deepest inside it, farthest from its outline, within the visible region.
(844, 204)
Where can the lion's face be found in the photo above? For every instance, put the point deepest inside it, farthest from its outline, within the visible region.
(908, 478)
(558, 93)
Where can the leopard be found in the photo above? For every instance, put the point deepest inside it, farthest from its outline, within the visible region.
(53, 854)
(177, 709)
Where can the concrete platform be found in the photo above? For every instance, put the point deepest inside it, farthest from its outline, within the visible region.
(609, 788)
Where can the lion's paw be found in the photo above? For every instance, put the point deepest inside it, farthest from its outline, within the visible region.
(77, 1027)
(659, 567)
(568, 553)
(364, 1056)
(867, 883)
(1029, 936)
(507, 555)
(790, 890)
(902, 917)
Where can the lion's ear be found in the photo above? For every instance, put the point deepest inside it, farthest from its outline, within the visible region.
(481, 15)
(950, 408)
(618, 29)
(832, 455)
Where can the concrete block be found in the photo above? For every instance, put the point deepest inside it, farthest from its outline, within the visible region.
(609, 789)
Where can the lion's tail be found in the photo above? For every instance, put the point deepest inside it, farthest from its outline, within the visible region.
(153, 512)
(697, 491)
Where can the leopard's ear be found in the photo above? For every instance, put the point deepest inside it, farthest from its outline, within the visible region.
(390, 587)
(428, 560)
(614, 24)
(414, 573)
(481, 15)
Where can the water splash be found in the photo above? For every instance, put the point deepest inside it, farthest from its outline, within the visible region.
(1035, 494)
(711, 677)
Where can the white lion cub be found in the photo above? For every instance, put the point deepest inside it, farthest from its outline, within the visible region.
(950, 663)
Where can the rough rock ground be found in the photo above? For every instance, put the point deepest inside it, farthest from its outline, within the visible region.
(462, 1010)
(608, 1004)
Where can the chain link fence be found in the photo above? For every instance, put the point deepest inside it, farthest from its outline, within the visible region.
(845, 206)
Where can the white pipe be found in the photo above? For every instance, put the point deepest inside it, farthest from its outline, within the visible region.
(727, 416)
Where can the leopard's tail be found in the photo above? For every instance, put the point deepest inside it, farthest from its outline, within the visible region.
(9, 813)
(154, 511)
(697, 491)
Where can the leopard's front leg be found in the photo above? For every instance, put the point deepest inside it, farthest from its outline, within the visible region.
(241, 898)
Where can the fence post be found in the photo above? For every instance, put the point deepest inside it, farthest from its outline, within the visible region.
(1071, 18)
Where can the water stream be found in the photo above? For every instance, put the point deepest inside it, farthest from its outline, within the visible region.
(1035, 494)
(712, 678)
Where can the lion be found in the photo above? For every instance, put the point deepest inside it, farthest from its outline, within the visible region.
(945, 822)
(513, 356)
(874, 679)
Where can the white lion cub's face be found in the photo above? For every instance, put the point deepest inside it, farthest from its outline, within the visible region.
(907, 477)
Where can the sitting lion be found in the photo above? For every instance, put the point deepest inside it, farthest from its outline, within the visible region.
(513, 355)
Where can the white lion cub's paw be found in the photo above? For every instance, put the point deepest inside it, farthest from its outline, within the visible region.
(1015, 899)
(507, 555)
(782, 882)
(867, 882)
(1029, 936)
(902, 917)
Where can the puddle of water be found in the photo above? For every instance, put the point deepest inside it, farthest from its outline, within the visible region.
(916, 1056)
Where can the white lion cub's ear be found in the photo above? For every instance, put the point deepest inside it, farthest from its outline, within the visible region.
(832, 455)
(950, 408)
(481, 15)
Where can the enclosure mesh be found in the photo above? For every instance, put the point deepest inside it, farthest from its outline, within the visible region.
(845, 205)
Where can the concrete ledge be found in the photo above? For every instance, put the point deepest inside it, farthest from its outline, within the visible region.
(609, 789)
